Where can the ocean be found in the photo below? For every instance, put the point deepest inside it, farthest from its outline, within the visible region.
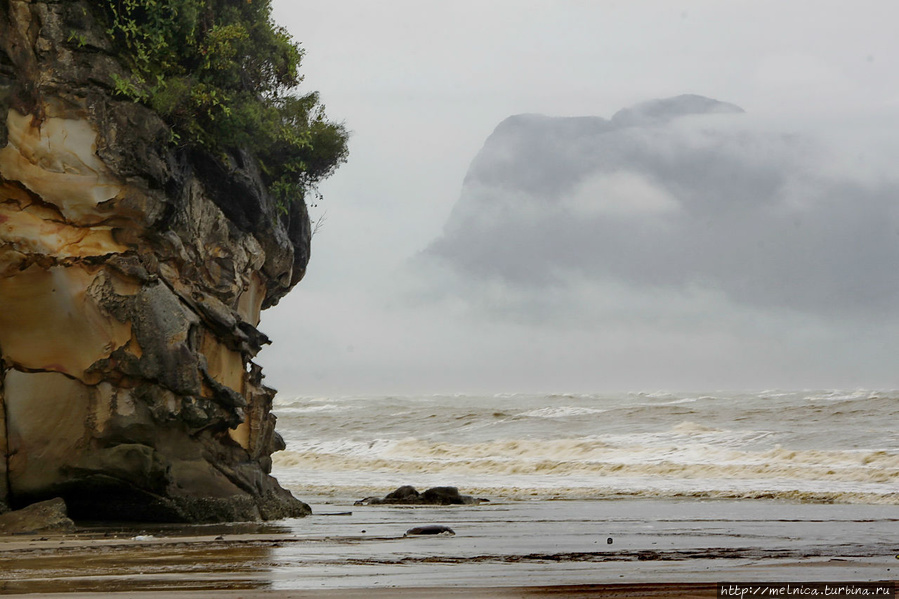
(605, 489)
(804, 446)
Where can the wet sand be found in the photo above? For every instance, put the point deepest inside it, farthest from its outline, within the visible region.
(622, 591)
(517, 549)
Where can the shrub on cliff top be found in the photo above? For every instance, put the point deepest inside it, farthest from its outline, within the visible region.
(223, 74)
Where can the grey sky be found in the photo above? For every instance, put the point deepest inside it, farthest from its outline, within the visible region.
(422, 84)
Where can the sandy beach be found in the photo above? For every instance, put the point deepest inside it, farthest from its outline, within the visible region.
(674, 591)
(616, 548)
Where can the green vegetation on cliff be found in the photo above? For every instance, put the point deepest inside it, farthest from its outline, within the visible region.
(223, 75)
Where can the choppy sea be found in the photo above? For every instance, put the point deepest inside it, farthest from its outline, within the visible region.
(809, 446)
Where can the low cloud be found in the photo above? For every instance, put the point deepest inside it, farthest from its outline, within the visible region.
(661, 251)
(677, 195)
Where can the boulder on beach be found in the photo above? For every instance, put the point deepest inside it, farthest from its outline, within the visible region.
(431, 529)
(44, 516)
(408, 495)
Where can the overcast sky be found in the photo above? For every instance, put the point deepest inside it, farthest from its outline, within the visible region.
(422, 84)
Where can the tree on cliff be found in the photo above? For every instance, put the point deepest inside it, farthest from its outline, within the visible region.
(224, 76)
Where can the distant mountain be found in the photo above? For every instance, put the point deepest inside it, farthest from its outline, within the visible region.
(667, 109)
(677, 193)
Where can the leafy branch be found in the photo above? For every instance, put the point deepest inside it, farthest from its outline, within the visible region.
(224, 76)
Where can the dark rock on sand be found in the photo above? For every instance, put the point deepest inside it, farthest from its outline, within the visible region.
(46, 516)
(432, 529)
(408, 495)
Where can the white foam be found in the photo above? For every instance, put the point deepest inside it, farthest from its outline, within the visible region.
(691, 428)
(560, 412)
(844, 396)
(328, 407)
(675, 402)
(594, 458)
(770, 444)
(548, 488)
(656, 395)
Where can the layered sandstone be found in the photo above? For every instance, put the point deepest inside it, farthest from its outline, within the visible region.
(132, 276)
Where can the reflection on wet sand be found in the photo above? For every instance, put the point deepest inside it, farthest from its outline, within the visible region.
(522, 544)
(94, 565)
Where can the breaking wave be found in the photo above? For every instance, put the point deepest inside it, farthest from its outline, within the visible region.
(823, 446)
(593, 457)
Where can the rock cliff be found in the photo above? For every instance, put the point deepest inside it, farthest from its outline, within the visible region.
(132, 276)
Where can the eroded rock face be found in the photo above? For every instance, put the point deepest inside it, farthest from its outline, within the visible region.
(132, 276)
